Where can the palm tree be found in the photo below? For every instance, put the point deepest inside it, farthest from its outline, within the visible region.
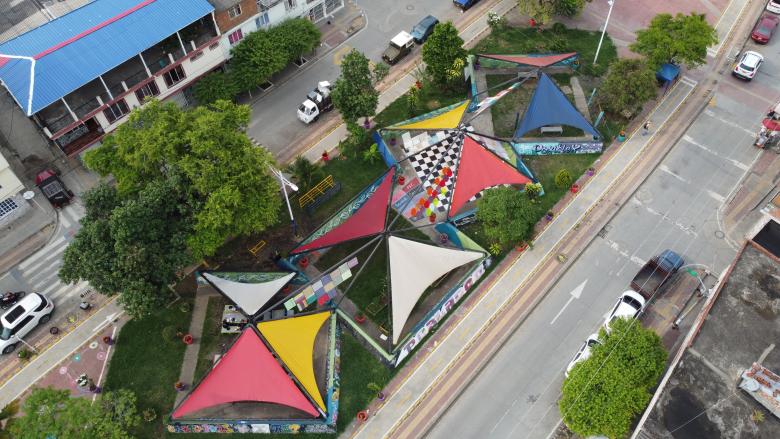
(306, 173)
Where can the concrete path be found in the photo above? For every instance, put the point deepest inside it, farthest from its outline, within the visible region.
(53, 355)
(467, 332)
(580, 101)
(190, 361)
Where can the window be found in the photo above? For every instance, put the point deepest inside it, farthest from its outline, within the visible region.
(196, 56)
(14, 314)
(262, 21)
(174, 75)
(234, 11)
(235, 37)
(22, 324)
(43, 304)
(7, 206)
(116, 110)
(147, 90)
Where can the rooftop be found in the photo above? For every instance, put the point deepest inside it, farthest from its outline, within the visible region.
(701, 398)
(20, 16)
(57, 57)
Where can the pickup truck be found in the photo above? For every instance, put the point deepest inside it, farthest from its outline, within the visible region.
(656, 273)
(465, 4)
(399, 47)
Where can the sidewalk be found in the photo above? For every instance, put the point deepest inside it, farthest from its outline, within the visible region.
(29, 232)
(45, 361)
(407, 392)
(190, 361)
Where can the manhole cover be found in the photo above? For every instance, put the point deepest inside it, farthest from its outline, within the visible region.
(719, 234)
(410, 7)
(644, 196)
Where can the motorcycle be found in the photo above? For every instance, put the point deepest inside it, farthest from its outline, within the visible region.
(10, 298)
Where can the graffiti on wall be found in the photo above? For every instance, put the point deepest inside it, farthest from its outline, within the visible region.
(251, 428)
(547, 148)
(438, 313)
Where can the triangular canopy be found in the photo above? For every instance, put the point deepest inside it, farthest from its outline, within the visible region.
(480, 169)
(442, 119)
(413, 267)
(250, 297)
(368, 220)
(293, 340)
(549, 106)
(537, 61)
(247, 372)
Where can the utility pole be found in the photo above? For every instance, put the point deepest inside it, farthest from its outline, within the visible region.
(604, 31)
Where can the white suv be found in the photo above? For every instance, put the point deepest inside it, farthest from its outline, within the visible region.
(20, 319)
(748, 65)
(773, 6)
(584, 352)
(628, 306)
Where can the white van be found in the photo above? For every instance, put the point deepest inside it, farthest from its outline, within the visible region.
(20, 319)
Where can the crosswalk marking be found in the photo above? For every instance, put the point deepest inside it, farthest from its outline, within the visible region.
(687, 80)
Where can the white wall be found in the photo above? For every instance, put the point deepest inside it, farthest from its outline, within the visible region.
(10, 184)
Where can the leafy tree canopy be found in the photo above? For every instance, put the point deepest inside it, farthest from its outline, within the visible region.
(628, 85)
(604, 393)
(54, 413)
(543, 10)
(297, 36)
(682, 39)
(441, 52)
(224, 173)
(256, 58)
(215, 86)
(507, 215)
(353, 93)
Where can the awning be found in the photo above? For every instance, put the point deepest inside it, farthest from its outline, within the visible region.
(413, 267)
(441, 119)
(250, 297)
(537, 61)
(293, 340)
(247, 372)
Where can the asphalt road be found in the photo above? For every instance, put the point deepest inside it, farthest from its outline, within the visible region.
(274, 123)
(677, 207)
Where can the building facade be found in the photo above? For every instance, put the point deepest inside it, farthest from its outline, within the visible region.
(11, 201)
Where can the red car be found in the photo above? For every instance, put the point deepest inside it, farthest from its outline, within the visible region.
(764, 29)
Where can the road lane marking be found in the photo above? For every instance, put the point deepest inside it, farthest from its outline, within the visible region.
(576, 293)
(730, 123)
(736, 163)
(716, 196)
(666, 169)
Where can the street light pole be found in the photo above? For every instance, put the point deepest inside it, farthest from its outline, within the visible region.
(285, 183)
(603, 31)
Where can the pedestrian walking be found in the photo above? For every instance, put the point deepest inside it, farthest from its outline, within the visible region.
(646, 128)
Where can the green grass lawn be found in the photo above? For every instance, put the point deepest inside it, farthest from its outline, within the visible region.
(149, 365)
(515, 40)
(212, 336)
(545, 168)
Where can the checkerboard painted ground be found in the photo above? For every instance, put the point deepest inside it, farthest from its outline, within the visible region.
(429, 162)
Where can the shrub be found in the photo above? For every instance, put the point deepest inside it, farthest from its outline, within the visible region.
(563, 179)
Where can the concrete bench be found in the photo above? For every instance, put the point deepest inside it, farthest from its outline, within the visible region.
(551, 129)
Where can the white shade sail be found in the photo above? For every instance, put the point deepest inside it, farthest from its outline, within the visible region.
(413, 267)
(249, 297)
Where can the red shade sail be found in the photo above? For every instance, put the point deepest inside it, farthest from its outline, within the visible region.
(368, 220)
(480, 169)
(537, 61)
(247, 372)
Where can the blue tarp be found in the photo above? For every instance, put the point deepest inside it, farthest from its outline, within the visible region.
(549, 106)
(667, 73)
(95, 51)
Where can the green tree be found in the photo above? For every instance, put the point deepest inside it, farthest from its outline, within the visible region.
(54, 413)
(533, 190)
(604, 393)
(215, 86)
(412, 100)
(353, 93)
(563, 179)
(682, 39)
(306, 173)
(628, 85)
(441, 52)
(381, 70)
(507, 215)
(256, 58)
(297, 36)
(134, 248)
(543, 10)
(6, 415)
(225, 173)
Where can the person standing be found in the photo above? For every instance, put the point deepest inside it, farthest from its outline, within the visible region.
(646, 128)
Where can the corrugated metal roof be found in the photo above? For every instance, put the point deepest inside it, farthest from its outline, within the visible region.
(78, 47)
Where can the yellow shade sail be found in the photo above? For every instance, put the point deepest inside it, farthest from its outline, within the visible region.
(444, 121)
(293, 340)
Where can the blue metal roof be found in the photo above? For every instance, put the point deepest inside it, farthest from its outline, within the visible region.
(95, 52)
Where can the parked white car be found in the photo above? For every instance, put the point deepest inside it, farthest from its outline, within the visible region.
(773, 6)
(748, 65)
(584, 352)
(20, 319)
(628, 306)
